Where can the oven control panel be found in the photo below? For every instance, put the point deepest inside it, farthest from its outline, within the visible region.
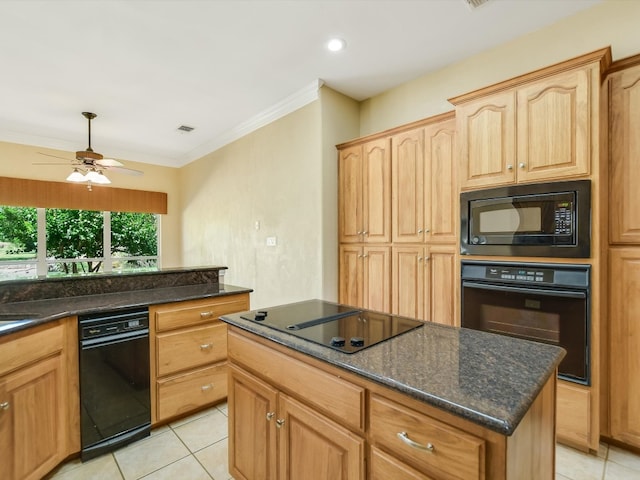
(529, 274)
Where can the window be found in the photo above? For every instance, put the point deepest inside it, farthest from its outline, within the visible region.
(58, 242)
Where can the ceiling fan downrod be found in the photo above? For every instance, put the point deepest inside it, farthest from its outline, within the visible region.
(89, 116)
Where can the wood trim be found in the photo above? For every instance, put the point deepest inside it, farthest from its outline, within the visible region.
(402, 128)
(624, 63)
(24, 192)
(603, 56)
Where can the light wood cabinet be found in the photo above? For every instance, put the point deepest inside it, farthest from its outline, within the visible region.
(424, 192)
(424, 283)
(364, 190)
(436, 448)
(39, 415)
(624, 351)
(541, 126)
(294, 416)
(273, 435)
(573, 424)
(624, 155)
(365, 276)
(188, 354)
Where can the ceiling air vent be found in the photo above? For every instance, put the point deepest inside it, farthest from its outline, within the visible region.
(184, 128)
(475, 3)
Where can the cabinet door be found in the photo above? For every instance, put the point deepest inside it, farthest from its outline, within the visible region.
(440, 184)
(486, 130)
(554, 127)
(624, 315)
(32, 432)
(376, 278)
(443, 285)
(624, 156)
(312, 447)
(252, 434)
(350, 194)
(407, 162)
(408, 282)
(350, 282)
(376, 191)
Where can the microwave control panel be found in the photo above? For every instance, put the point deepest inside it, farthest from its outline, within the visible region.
(564, 218)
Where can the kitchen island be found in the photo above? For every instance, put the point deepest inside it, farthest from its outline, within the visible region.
(435, 402)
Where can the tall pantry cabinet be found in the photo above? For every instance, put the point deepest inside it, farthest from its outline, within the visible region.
(398, 269)
(624, 252)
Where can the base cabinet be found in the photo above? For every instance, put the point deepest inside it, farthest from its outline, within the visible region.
(295, 417)
(36, 408)
(188, 350)
(272, 435)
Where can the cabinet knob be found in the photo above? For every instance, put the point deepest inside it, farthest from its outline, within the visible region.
(206, 387)
(206, 346)
(359, 232)
(405, 438)
(280, 422)
(364, 232)
(270, 415)
(365, 255)
(206, 314)
(420, 230)
(419, 258)
(522, 165)
(509, 167)
(4, 405)
(426, 230)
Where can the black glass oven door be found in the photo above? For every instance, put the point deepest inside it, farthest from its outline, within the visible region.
(557, 317)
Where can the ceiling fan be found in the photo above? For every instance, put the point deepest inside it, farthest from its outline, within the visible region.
(88, 165)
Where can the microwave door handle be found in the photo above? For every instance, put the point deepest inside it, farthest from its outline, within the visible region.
(537, 291)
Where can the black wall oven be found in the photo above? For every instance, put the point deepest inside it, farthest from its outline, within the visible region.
(540, 302)
(115, 401)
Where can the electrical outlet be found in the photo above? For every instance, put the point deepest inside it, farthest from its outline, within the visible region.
(272, 241)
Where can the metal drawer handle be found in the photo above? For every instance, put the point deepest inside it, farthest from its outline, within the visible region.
(4, 405)
(280, 422)
(204, 388)
(204, 346)
(405, 438)
(206, 314)
(270, 415)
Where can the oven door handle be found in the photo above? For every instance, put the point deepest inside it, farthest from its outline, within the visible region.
(536, 291)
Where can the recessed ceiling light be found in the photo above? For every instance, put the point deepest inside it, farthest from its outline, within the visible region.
(336, 44)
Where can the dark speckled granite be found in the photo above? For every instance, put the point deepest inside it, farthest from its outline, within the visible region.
(40, 311)
(26, 290)
(486, 378)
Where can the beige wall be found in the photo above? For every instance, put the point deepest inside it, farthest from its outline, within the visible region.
(272, 176)
(613, 23)
(17, 161)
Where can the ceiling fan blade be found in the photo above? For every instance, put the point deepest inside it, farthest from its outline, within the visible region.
(126, 171)
(49, 163)
(55, 156)
(108, 162)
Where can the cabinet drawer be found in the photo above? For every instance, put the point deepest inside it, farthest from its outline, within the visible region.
(187, 392)
(197, 312)
(385, 467)
(190, 348)
(335, 397)
(27, 347)
(455, 454)
(573, 414)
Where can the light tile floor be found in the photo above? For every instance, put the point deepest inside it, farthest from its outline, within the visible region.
(195, 448)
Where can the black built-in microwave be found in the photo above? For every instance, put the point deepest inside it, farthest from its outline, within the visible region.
(531, 220)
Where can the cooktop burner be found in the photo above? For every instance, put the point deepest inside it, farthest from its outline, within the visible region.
(340, 327)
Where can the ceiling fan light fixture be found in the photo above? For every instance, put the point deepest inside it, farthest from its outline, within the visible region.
(97, 177)
(76, 176)
(336, 44)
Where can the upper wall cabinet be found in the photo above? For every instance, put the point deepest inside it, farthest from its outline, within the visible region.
(424, 189)
(624, 154)
(365, 192)
(540, 126)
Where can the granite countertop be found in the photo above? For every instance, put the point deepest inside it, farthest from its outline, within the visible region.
(489, 379)
(16, 316)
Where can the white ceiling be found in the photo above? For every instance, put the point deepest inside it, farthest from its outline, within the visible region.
(148, 66)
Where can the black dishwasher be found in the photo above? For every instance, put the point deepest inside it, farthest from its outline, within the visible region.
(115, 403)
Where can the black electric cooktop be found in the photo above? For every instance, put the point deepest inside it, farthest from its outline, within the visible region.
(343, 328)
